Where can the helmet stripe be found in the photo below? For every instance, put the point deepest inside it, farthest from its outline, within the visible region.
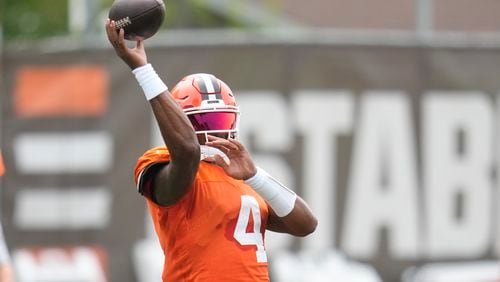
(201, 84)
(207, 83)
(215, 83)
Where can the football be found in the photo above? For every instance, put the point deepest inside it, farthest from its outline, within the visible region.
(140, 19)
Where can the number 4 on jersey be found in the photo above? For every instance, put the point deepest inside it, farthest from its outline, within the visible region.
(249, 203)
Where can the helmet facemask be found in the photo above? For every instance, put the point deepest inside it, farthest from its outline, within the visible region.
(220, 122)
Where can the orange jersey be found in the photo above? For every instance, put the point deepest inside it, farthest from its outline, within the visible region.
(215, 232)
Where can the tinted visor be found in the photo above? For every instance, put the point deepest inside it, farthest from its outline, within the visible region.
(213, 121)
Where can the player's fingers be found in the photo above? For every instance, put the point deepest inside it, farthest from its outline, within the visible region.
(110, 31)
(214, 138)
(222, 143)
(113, 36)
(121, 39)
(237, 144)
(121, 46)
(219, 146)
(218, 140)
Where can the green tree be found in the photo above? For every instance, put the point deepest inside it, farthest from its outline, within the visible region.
(34, 18)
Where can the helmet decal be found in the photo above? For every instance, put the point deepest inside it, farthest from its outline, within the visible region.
(207, 83)
(209, 88)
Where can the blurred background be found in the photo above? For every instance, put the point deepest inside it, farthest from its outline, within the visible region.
(382, 114)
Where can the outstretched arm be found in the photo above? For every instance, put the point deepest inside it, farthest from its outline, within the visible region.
(173, 180)
(288, 212)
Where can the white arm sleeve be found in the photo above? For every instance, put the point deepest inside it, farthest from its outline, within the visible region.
(277, 195)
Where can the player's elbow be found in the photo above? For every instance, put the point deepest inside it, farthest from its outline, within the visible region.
(311, 226)
(307, 227)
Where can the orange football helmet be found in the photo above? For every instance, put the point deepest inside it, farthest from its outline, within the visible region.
(208, 103)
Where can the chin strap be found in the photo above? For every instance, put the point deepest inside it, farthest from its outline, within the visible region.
(208, 153)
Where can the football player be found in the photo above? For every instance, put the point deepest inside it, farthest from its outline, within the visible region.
(209, 203)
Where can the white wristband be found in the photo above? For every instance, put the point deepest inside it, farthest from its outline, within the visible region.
(148, 79)
(278, 196)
